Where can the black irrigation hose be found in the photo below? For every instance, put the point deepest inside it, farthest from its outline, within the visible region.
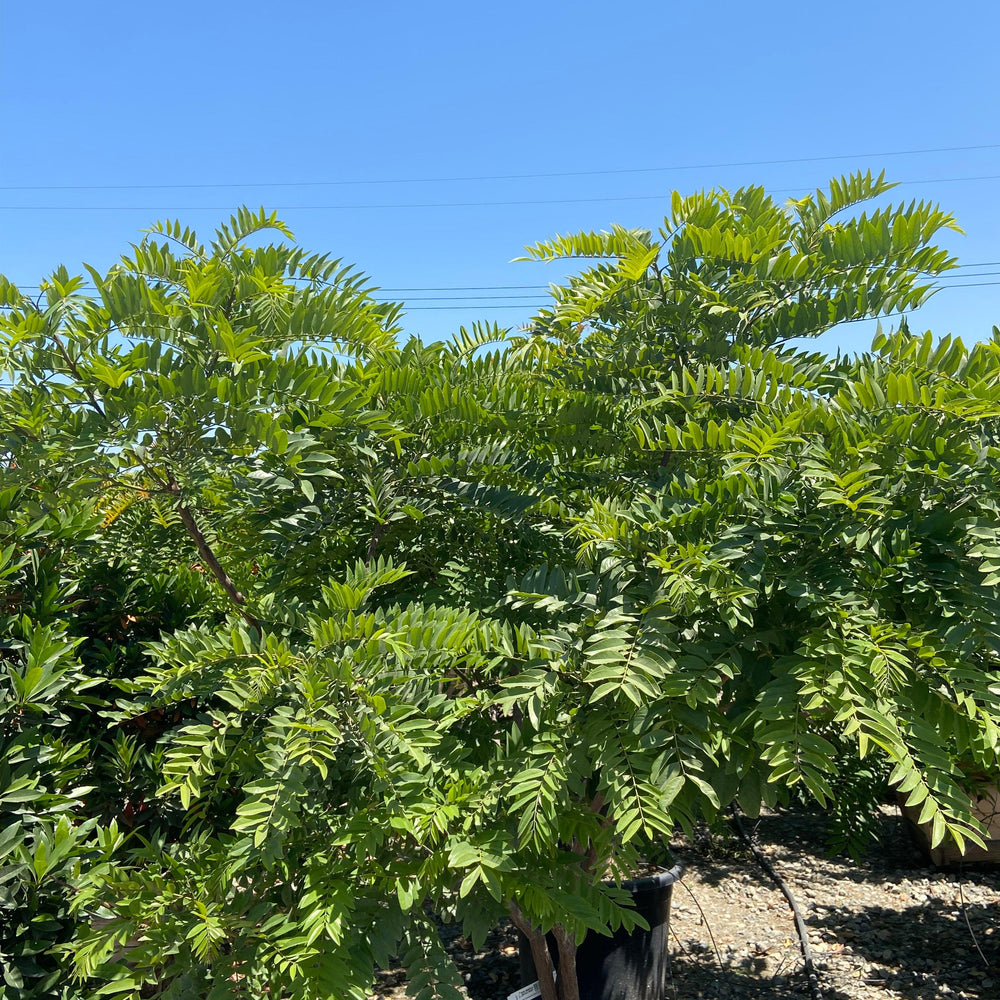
(800, 924)
(968, 923)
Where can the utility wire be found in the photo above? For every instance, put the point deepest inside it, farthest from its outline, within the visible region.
(467, 307)
(429, 204)
(389, 290)
(496, 177)
(380, 289)
(492, 288)
(532, 298)
(382, 292)
(543, 288)
(532, 304)
(527, 305)
(973, 284)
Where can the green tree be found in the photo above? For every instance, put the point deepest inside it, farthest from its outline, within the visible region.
(480, 623)
(738, 269)
(779, 567)
(253, 447)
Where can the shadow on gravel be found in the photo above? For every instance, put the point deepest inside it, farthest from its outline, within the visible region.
(793, 837)
(492, 972)
(806, 830)
(691, 978)
(495, 976)
(715, 872)
(905, 947)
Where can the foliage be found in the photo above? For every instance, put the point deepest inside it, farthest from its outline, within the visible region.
(736, 268)
(44, 824)
(370, 628)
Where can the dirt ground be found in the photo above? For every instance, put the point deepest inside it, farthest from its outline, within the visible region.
(890, 927)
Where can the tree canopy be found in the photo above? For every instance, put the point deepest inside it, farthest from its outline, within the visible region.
(310, 627)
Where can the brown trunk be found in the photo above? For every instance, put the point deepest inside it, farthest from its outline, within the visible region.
(544, 968)
(587, 851)
(568, 987)
(373, 544)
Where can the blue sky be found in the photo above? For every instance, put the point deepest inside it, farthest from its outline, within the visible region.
(144, 102)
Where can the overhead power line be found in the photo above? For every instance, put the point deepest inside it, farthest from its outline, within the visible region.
(664, 196)
(478, 307)
(973, 284)
(470, 288)
(387, 290)
(483, 303)
(496, 177)
(525, 306)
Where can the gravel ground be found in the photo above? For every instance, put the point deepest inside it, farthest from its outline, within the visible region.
(889, 927)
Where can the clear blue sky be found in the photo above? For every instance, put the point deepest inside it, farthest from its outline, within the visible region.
(252, 93)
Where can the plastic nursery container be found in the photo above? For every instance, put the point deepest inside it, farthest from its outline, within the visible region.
(628, 965)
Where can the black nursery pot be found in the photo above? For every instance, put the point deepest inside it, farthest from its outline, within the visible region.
(628, 965)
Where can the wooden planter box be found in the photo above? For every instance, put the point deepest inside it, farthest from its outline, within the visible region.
(987, 810)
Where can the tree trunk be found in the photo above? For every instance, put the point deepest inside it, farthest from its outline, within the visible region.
(568, 987)
(544, 967)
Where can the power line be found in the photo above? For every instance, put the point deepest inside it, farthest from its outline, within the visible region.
(470, 288)
(496, 288)
(545, 288)
(463, 298)
(973, 284)
(478, 307)
(442, 288)
(378, 291)
(530, 304)
(469, 306)
(474, 288)
(497, 177)
(428, 204)
(319, 208)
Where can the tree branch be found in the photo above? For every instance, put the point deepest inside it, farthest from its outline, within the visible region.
(209, 557)
(588, 851)
(373, 544)
(75, 370)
